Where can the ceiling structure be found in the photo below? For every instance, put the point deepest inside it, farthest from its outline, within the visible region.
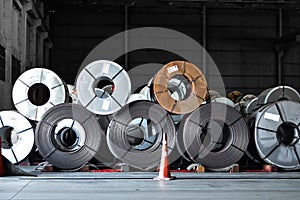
(288, 4)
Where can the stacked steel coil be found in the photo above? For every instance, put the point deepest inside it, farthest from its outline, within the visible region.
(107, 122)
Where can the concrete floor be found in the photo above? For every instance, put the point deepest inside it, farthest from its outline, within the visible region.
(92, 185)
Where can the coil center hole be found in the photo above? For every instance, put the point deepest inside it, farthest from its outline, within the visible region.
(38, 94)
(9, 136)
(67, 138)
(104, 87)
(287, 132)
(216, 136)
(141, 133)
(179, 87)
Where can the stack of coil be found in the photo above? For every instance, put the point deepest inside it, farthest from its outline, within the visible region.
(100, 118)
(273, 119)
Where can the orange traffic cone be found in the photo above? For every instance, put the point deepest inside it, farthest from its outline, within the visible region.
(164, 169)
(2, 168)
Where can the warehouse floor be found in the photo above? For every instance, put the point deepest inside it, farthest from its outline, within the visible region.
(134, 185)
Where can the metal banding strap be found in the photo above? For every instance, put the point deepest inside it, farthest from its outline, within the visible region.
(18, 133)
(89, 95)
(186, 81)
(52, 90)
(68, 136)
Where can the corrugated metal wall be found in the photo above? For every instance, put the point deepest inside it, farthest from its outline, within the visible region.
(241, 41)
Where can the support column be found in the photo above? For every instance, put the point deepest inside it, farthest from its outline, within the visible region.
(7, 19)
(40, 49)
(126, 37)
(1, 22)
(23, 34)
(279, 52)
(47, 47)
(33, 41)
(204, 39)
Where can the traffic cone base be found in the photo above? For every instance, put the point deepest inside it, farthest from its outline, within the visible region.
(165, 178)
(164, 168)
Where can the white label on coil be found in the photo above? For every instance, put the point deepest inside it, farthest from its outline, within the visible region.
(105, 105)
(105, 68)
(172, 69)
(272, 117)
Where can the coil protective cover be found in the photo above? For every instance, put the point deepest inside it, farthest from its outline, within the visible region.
(277, 134)
(99, 101)
(68, 136)
(194, 91)
(49, 87)
(135, 134)
(18, 134)
(275, 94)
(214, 135)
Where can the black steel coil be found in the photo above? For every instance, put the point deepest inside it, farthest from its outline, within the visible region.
(68, 136)
(135, 135)
(214, 135)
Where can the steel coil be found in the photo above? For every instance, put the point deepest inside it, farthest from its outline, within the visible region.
(235, 96)
(179, 87)
(223, 100)
(17, 134)
(36, 91)
(212, 94)
(135, 135)
(247, 104)
(275, 94)
(252, 106)
(72, 93)
(68, 136)
(136, 97)
(214, 135)
(146, 91)
(277, 134)
(103, 87)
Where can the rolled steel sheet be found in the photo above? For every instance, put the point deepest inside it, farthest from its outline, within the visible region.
(275, 94)
(223, 100)
(147, 91)
(251, 106)
(103, 87)
(214, 135)
(276, 134)
(68, 136)
(212, 94)
(17, 134)
(135, 135)
(247, 104)
(179, 87)
(235, 96)
(137, 97)
(72, 93)
(36, 91)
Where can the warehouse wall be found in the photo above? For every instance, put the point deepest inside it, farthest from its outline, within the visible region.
(241, 41)
(291, 55)
(23, 33)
